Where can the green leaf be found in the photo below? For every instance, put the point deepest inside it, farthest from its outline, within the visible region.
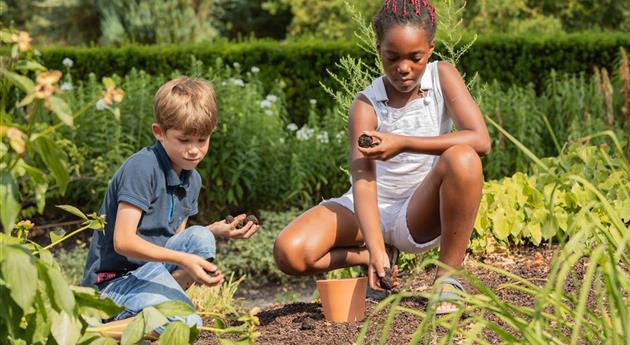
(30, 66)
(177, 333)
(62, 297)
(501, 224)
(108, 82)
(152, 319)
(55, 160)
(56, 235)
(39, 323)
(20, 275)
(92, 307)
(9, 198)
(26, 100)
(20, 81)
(73, 210)
(66, 328)
(90, 339)
(39, 181)
(174, 308)
(62, 110)
(133, 334)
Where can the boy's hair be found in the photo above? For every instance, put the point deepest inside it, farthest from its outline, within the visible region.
(186, 104)
(405, 12)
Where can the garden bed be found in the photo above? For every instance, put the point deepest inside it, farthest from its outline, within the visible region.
(285, 324)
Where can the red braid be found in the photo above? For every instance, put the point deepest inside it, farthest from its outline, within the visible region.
(418, 4)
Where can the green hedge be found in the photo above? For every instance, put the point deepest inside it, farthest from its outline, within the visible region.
(301, 66)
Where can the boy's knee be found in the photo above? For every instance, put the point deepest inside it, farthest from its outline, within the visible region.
(201, 240)
(462, 160)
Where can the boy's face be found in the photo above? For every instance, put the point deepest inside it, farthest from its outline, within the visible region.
(184, 150)
(405, 52)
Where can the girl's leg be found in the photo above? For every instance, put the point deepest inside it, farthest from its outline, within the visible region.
(446, 204)
(324, 238)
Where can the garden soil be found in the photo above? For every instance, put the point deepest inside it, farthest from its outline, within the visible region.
(303, 323)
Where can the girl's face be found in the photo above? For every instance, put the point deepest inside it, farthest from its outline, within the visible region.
(405, 52)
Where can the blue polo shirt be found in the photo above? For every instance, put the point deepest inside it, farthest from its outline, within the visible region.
(148, 181)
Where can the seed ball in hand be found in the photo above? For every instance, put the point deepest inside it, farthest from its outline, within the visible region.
(252, 218)
(366, 141)
(229, 219)
(387, 282)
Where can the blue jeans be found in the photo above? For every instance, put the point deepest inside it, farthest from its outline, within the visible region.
(152, 283)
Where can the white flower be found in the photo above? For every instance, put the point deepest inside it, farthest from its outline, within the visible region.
(281, 140)
(340, 135)
(100, 104)
(236, 65)
(255, 69)
(304, 133)
(67, 62)
(223, 83)
(272, 98)
(66, 86)
(292, 127)
(268, 112)
(322, 137)
(238, 82)
(313, 101)
(265, 103)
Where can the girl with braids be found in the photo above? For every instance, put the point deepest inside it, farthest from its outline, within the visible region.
(420, 186)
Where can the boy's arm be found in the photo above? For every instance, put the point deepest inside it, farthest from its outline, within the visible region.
(362, 118)
(128, 243)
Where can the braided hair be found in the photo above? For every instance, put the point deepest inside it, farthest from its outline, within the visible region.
(404, 12)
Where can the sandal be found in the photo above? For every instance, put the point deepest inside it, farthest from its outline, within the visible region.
(450, 296)
(392, 253)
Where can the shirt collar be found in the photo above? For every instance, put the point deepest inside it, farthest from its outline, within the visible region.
(172, 179)
(378, 85)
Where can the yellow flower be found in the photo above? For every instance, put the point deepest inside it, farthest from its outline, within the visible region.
(46, 84)
(16, 139)
(113, 95)
(23, 40)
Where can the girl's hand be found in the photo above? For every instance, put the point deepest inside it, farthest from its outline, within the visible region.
(378, 261)
(389, 145)
(223, 229)
(200, 270)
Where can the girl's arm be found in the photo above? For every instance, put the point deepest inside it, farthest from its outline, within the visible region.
(362, 118)
(471, 128)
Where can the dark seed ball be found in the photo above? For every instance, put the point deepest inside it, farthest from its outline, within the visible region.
(252, 218)
(365, 141)
(229, 219)
(387, 282)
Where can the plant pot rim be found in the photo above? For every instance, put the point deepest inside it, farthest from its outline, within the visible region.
(339, 279)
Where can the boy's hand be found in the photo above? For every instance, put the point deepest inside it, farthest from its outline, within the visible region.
(387, 145)
(201, 271)
(230, 230)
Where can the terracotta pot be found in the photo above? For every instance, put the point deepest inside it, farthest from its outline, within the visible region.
(343, 300)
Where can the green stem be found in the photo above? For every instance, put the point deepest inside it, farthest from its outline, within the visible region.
(65, 237)
(51, 129)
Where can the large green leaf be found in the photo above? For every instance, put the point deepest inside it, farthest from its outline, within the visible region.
(62, 110)
(152, 319)
(9, 201)
(66, 328)
(134, 331)
(55, 160)
(39, 322)
(20, 81)
(92, 307)
(20, 275)
(30, 66)
(62, 297)
(40, 184)
(177, 333)
(174, 308)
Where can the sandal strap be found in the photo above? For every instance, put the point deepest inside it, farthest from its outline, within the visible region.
(454, 283)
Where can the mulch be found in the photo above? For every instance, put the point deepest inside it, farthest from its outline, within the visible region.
(304, 323)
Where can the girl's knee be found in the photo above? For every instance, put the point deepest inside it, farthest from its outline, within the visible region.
(463, 161)
(288, 254)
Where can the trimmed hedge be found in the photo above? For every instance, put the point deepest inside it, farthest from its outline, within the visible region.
(301, 66)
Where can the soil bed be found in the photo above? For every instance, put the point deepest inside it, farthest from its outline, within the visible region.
(303, 323)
